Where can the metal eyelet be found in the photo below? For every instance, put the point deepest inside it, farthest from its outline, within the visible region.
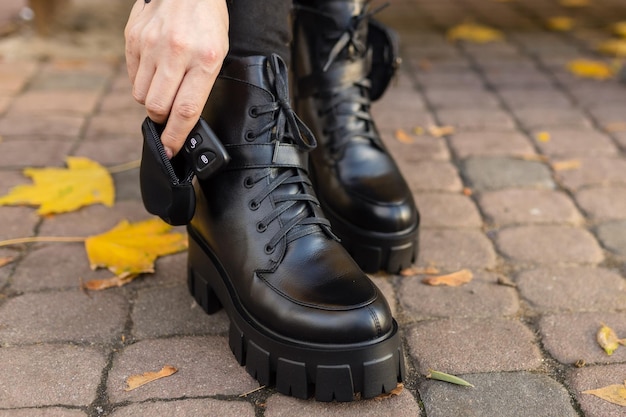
(253, 205)
(261, 227)
(250, 136)
(269, 249)
(248, 183)
(253, 112)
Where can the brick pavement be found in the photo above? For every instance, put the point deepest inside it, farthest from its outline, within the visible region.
(547, 247)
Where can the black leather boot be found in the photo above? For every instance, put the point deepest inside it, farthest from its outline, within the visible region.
(303, 315)
(360, 188)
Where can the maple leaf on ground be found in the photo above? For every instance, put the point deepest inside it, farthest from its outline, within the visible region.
(60, 190)
(131, 248)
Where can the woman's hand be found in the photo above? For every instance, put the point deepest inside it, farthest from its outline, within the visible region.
(174, 51)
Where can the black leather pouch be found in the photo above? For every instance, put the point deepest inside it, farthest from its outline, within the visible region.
(385, 46)
(166, 185)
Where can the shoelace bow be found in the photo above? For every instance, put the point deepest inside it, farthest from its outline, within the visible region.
(356, 94)
(286, 127)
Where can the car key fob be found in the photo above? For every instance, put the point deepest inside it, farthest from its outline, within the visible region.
(167, 185)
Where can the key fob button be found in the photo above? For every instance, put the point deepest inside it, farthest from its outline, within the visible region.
(205, 159)
(194, 142)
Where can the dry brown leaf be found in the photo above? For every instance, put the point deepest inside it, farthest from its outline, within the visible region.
(454, 279)
(393, 393)
(6, 260)
(103, 284)
(418, 130)
(560, 23)
(567, 165)
(608, 340)
(615, 394)
(135, 381)
(533, 157)
(439, 131)
(467, 191)
(402, 136)
(615, 127)
(506, 281)
(412, 271)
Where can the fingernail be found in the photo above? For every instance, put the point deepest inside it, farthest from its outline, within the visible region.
(169, 153)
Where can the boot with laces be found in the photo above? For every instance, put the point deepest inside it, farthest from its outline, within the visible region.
(360, 187)
(303, 316)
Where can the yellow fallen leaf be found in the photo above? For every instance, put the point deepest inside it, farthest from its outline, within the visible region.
(439, 131)
(403, 137)
(619, 28)
(560, 23)
(59, 190)
(543, 136)
(135, 381)
(608, 340)
(6, 260)
(613, 47)
(418, 130)
(474, 32)
(567, 165)
(615, 394)
(130, 249)
(588, 68)
(574, 3)
(454, 279)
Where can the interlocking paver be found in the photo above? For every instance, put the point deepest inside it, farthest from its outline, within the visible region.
(548, 244)
(548, 118)
(456, 98)
(594, 171)
(603, 203)
(431, 176)
(182, 315)
(571, 337)
(569, 142)
(43, 412)
(47, 317)
(613, 236)
(505, 394)
(17, 222)
(594, 377)
(205, 366)
(482, 297)
(476, 118)
(499, 172)
(55, 102)
(401, 405)
(525, 206)
(48, 152)
(572, 289)
(490, 143)
(116, 126)
(544, 98)
(456, 249)
(43, 375)
(44, 125)
(447, 210)
(421, 148)
(187, 408)
(462, 346)
(110, 152)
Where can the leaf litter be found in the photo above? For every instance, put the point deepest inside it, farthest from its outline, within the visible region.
(136, 381)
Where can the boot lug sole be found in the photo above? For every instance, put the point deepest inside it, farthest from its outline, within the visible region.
(299, 369)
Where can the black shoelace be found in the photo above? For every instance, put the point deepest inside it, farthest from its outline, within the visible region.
(286, 127)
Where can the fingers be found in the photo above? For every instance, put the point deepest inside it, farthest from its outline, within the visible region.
(187, 107)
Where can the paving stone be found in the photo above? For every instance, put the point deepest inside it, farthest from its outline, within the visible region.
(43, 412)
(110, 152)
(401, 405)
(603, 203)
(572, 337)
(5, 102)
(15, 75)
(63, 316)
(620, 139)
(431, 176)
(533, 118)
(168, 271)
(430, 61)
(421, 148)
(613, 236)
(388, 121)
(482, 297)
(50, 152)
(476, 119)
(594, 171)
(489, 143)
(447, 210)
(183, 316)
(68, 80)
(568, 142)
(43, 375)
(525, 206)
(594, 377)
(453, 81)
(552, 289)
(17, 222)
(455, 249)
(505, 394)
(206, 367)
(127, 186)
(528, 79)
(120, 100)
(458, 98)
(115, 126)
(498, 172)
(187, 408)
(548, 244)
(523, 98)
(610, 115)
(462, 346)
(55, 266)
(46, 125)
(55, 102)
(6, 271)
